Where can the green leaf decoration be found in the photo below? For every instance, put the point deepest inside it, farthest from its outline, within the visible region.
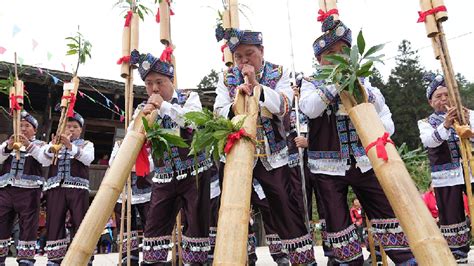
(80, 46)
(361, 43)
(161, 140)
(211, 135)
(346, 68)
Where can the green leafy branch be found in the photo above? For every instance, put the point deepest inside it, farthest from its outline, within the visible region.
(352, 64)
(136, 7)
(6, 84)
(80, 46)
(161, 140)
(212, 132)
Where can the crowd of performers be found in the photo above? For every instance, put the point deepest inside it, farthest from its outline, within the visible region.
(334, 159)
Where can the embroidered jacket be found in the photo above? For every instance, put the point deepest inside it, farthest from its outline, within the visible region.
(332, 136)
(141, 187)
(27, 171)
(277, 95)
(443, 150)
(178, 164)
(72, 167)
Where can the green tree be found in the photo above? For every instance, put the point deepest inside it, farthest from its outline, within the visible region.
(209, 81)
(406, 97)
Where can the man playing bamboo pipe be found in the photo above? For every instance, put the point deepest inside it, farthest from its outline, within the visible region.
(442, 142)
(175, 178)
(67, 187)
(336, 156)
(141, 194)
(20, 190)
(271, 166)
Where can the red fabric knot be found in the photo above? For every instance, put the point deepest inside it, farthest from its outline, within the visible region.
(422, 15)
(166, 54)
(128, 18)
(14, 104)
(72, 102)
(222, 50)
(380, 146)
(123, 59)
(232, 138)
(324, 15)
(142, 165)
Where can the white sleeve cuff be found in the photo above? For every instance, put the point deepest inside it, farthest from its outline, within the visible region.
(442, 132)
(74, 150)
(165, 108)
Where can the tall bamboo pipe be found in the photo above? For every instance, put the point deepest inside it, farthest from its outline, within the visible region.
(85, 240)
(234, 213)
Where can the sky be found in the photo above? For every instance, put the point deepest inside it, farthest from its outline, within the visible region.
(24, 23)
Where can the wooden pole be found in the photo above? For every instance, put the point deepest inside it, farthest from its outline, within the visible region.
(83, 244)
(180, 238)
(373, 256)
(234, 213)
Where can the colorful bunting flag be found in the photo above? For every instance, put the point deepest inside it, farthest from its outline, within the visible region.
(2, 50)
(21, 60)
(34, 43)
(55, 79)
(40, 70)
(50, 55)
(15, 30)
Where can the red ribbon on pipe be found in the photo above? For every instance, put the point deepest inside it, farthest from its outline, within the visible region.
(324, 15)
(222, 50)
(14, 102)
(142, 165)
(123, 59)
(380, 146)
(128, 18)
(232, 138)
(166, 54)
(72, 102)
(422, 15)
(157, 17)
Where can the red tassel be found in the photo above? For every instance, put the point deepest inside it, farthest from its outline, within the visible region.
(142, 165)
(123, 59)
(157, 17)
(128, 18)
(166, 54)
(324, 15)
(72, 102)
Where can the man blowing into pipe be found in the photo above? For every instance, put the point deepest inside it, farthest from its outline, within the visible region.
(440, 139)
(271, 166)
(336, 156)
(175, 176)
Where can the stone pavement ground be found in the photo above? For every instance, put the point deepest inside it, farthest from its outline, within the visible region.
(264, 258)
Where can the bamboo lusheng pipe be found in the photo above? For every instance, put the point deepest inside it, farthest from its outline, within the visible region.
(234, 213)
(425, 239)
(125, 68)
(85, 240)
(430, 21)
(440, 16)
(228, 58)
(234, 14)
(135, 32)
(463, 131)
(165, 26)
(69, 89)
